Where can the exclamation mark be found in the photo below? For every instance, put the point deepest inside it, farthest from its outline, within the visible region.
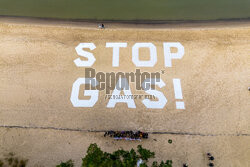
(178, 94)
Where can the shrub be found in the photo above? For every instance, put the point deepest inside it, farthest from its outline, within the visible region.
(97, 158)
(11, 160)
(69, 163)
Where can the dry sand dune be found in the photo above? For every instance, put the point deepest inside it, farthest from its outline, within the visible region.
(37, 73)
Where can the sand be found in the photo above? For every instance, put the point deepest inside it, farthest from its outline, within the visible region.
(37, 72)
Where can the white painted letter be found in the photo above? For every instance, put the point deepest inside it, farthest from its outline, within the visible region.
(135, 55)
(116, 49)
(88, 55)
(92, 93)
(178, 94)
(118, 98)
(169, 56)
(162, 101)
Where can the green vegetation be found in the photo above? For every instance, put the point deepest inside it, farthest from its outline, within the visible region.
(128, 9)
(1, 163)
(69, 163)
(97, 158)
(10, 160)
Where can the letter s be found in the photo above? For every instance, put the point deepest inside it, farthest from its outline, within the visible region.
(88, 55)
(162, 101)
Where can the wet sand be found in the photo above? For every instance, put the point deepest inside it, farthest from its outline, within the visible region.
(128, 24)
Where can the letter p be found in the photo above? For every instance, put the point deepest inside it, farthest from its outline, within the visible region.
(169, 56)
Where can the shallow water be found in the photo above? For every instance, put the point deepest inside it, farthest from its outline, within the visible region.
(128, 9)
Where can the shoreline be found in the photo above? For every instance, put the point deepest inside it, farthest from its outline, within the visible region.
(140, 24)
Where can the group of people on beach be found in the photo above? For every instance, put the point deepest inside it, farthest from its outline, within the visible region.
(127, 135)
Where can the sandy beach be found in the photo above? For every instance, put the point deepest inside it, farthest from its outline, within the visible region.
(37, 71)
